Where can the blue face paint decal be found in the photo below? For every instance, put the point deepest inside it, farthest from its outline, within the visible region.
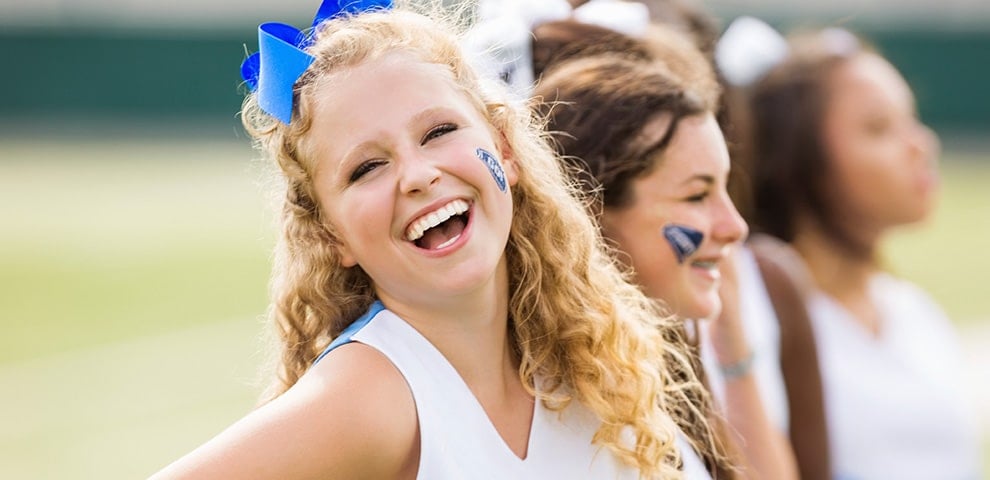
(493, 166)
(684, 240)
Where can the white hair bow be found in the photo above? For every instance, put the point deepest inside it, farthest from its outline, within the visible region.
(500, 43)
(748, 49)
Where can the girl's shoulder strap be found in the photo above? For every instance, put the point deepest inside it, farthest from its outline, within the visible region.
(787, 285)
(347, 336)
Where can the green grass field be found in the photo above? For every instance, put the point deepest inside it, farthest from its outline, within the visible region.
(133, 285)
(133, 281)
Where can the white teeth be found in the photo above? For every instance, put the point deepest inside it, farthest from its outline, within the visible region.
(448, 242)
(435, 218)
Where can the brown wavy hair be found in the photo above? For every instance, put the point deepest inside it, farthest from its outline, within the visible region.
(575, 320)
(786, 156)
(597, 101)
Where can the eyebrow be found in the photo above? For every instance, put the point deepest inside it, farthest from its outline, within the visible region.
(429, 112)
(703, 177)
(417, 119)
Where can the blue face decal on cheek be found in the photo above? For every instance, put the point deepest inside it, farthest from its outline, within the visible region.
(493, 166)
(683, 240)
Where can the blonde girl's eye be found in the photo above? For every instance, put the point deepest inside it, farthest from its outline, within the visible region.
(363, 169)
(438, 131)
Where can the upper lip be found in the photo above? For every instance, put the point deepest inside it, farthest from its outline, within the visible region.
(432, 207)
(711, 258)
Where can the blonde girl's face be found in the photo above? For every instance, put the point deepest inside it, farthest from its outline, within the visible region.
(687, 187)
(403, 177)
(882, 159)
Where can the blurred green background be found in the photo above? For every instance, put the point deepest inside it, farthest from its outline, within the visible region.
(135, 234)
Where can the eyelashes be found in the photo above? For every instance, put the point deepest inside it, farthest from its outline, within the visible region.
(438, 131)
(363, 169)
(370, 165)
(698, 197)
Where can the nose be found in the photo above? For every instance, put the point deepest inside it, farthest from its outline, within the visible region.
(417, 174)
(923, 142)
(728, 225)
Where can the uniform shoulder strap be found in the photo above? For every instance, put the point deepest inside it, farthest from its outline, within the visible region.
(787, 284)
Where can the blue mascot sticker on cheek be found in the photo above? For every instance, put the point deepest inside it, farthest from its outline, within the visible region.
(684, 240)
(493, 166)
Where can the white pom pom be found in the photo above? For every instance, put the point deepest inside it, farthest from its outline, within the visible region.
(535, 12)
(840, 41)
(748, 49)
(629, 18)
(501, 48)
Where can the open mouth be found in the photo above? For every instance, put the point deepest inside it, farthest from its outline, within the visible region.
(705, 264)
(440, 228)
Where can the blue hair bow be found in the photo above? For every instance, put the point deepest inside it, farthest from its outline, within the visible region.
(281, 58)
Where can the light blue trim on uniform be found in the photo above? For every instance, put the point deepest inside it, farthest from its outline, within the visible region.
(345, 337)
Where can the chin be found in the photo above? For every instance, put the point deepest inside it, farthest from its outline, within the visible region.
(701, 308)
(916, 215)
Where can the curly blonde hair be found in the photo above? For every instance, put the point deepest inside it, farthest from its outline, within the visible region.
(576, 322)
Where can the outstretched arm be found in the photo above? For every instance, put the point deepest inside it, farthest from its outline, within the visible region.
(351, 416)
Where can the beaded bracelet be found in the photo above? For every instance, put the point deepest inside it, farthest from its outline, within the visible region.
(740, 368)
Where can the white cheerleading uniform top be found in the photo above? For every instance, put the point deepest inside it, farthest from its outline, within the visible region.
(762, 329)
(896, 405)
(457, 440)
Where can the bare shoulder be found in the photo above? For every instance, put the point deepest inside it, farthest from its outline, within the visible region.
(365, 407)
(351, 416)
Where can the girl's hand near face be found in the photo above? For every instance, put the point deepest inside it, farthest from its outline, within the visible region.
(766, 451)
(728, 336)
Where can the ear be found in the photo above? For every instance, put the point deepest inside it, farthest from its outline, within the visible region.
(347, 259)
(345, 256)
(509, 164)
(331, 239)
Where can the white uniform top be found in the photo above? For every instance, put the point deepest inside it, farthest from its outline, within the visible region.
(895, 405)
(762, 331)
(457, 440)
